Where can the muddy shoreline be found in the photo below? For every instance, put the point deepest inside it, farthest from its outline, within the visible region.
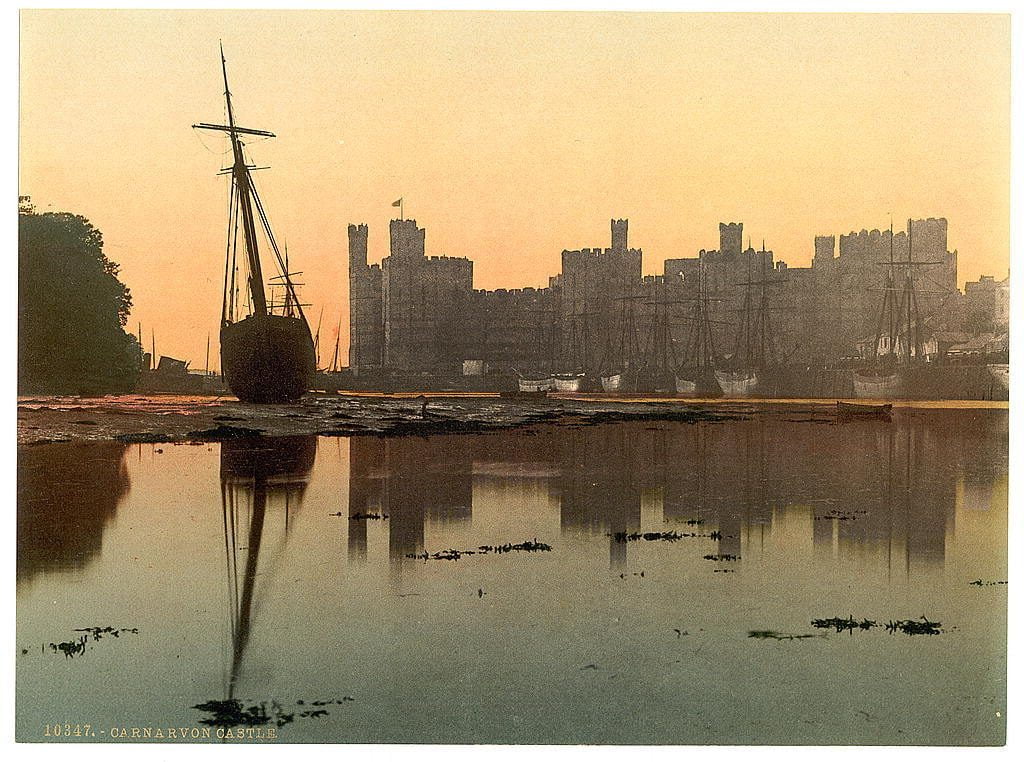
(171, 418)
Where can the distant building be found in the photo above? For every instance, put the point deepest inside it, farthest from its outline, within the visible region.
(987, 304)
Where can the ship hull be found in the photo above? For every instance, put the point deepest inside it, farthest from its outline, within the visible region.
(531, 385)
(267, 358)
(685, 387)
(740, 383)
(568, 383)
(697, 382)
(876, 386)
(612, 383)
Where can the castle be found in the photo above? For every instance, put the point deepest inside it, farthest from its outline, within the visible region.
(415, 313)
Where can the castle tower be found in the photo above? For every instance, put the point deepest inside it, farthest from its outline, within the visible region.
(824, 249)
(408, 241)
(357, 275)
(730, 238)
(620, 235)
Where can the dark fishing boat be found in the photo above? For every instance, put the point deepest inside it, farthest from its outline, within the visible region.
(266, 348)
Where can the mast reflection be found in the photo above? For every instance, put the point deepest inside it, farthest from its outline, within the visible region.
(260, 477)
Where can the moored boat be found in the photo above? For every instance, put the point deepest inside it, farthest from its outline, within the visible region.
(568, 382)
(685, 387)
(876, 384)
(267, 353)
(542, 384)
(611, 383)
(737, 383)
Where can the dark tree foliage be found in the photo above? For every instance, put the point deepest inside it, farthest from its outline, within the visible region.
(72, 310)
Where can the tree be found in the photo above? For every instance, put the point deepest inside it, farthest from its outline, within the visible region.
(72, 309)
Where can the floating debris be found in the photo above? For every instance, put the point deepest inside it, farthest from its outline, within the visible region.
(365, 516)
(982, 583)
(839, 515)
(72, 648)
(694, 522)
(454, 555)
(907, 626)
(721, 557)
(773, 635)
(914, 627)
(231, 713)
(671, 536)
(98, 632)
(635, 574)
(725, 571)
(840, 625)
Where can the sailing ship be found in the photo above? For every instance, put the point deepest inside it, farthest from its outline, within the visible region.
(621, 364)
(266, 348)
(540, 382)
(660, 361)
(880, 380)
(743, 375)
(696, 376)
(897, 342)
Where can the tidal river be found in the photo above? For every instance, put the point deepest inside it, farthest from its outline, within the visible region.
(758, 581)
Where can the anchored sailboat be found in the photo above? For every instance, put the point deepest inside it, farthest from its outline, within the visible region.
(754, 352)
(898, 344)
(266, 349)
(696, 376)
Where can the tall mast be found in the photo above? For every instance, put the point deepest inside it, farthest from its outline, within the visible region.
(891, 296)
(241, 177)
(316, 341)
(909, 286)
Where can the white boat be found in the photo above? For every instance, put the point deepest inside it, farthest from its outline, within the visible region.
(612, 383)
(875, 385)
(536, 384)
(1001, 373)
(739, 383)
(568, 383)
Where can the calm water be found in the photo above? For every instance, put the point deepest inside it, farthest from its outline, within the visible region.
(241, 584)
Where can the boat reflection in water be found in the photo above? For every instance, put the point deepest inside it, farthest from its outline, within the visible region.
(259, 476)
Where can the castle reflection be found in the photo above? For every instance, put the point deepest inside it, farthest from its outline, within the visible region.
(889, 487)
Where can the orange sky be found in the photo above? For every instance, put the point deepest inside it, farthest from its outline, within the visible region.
(511, 136)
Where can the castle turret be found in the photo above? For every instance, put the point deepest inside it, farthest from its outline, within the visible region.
(408, 241)
(620, 235)
(730, 238)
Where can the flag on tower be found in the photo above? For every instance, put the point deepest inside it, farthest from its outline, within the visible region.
(397, 203)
